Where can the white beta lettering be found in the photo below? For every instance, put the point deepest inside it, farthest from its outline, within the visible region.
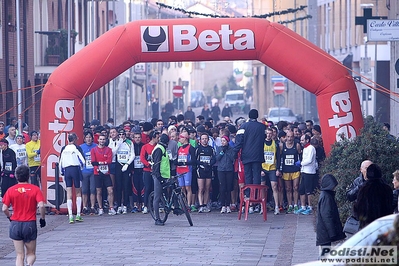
(340, 102)
(64, 108)
(184, 39)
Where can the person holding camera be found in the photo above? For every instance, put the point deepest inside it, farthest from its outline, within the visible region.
(24, 198)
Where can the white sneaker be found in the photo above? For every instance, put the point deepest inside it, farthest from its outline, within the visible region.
(223, 210)
(145, 210)
(124, 210)
(111, 211)
(276, 211)
(228, 210)
(261, 210)
(100, 212)
(251, 210)
(206, 209)
(201, 209)
(119, 211)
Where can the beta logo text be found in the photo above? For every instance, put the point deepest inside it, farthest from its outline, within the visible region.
(186, 38)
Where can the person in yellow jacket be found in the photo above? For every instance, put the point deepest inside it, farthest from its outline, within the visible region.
(33, 152)
(269, 169)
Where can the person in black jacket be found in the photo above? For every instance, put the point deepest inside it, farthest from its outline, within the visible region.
(351, 193)
(249, 139)
(328, 225)
(8, 162)
(374, 199)
(225, 155)
(189, 114)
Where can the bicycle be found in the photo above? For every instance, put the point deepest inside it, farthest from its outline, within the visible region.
(172, 200)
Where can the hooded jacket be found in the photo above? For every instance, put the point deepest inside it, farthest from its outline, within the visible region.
(328, 225)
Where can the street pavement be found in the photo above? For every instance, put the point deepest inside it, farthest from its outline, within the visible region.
(133, 239)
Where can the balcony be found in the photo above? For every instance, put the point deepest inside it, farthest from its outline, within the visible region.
(53, 47)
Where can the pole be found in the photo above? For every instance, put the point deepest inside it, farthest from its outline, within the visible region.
(19, 96)
(57, 186)
(93, 96)
(69, 27)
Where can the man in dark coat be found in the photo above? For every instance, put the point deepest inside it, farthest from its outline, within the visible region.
(227, 111)
(215, 113)
(328, 225)
(351, 193)
(374, 199)
(189, 114)
(250, 139)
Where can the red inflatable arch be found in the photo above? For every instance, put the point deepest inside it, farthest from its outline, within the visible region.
(193, 40)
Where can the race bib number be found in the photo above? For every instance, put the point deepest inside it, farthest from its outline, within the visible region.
(8, 166)
(182, 158)
(205, 159)
(37, 157)
(88, 162)
(289, 161)
(269, 157)
(21, 153)
(103, 169)
(169, 152)
(122, 156)
(137, 163)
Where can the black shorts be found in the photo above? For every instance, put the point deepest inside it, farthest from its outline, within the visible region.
(307, 184)
(202, 174)
(73, 176)
(101, 179)
(23, 231)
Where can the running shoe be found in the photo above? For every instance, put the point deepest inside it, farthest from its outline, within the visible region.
(228, 210)
(296, 208)
(251, 210)
(276, 211)
(100, 212)
(159, 222)
(78, 218)
(290, 209)
(308, 211)
(206, 209)
(85, 211)
(223, 210)
(134, 210)
(71, 220)
(193, 209)
(111, 211)
(257, 209)
(124, 210)
(233, 207)
(145, 210)
(201, 209)
(301, 210)
(281, 209)
(92, 211)
(120, 210)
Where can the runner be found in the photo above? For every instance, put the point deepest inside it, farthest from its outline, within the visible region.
(88, 184)
(33, 152)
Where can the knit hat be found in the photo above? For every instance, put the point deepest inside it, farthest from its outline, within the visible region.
(171, 127)
(201, 129)
(253, 114)
(226, 138)
(147, 126)
(232, 129)
(164, 139)
(373, 171)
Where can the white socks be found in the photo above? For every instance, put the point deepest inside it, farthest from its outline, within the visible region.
(69, 205)
(78, 205)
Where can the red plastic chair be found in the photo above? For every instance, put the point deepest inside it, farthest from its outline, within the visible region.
(257, 194)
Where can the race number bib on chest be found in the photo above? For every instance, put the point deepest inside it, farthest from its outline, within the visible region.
(289, 161)
(37, 157)
(137, 163)
(88, 161)
(21, 153)
(205, 159)
(182, 158)
(122, 156)
(269, 157)
(103, 169)
(8, 166)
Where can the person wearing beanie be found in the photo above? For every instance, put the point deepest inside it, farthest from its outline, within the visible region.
(249, 139)
(146, 129)
(374, 199)
(160, 172)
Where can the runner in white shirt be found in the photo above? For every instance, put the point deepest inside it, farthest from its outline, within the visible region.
(20, 151)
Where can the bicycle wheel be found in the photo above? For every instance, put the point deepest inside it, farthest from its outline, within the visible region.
(184, 206)
(163, 213)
